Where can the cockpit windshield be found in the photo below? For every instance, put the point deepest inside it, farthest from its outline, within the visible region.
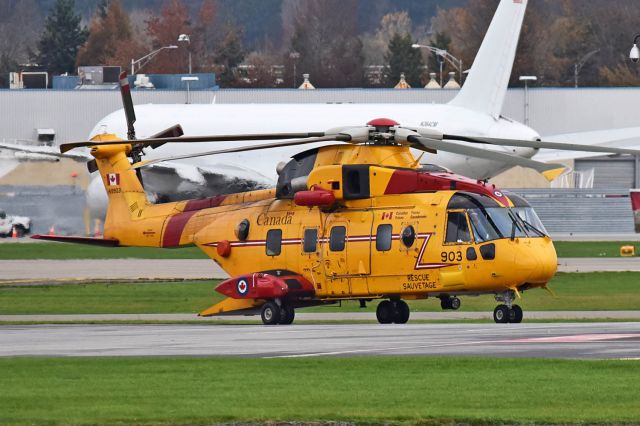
(531, 221)
(489, 221)
(494, 223)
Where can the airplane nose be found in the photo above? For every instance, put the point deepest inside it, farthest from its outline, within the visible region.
(524, 152)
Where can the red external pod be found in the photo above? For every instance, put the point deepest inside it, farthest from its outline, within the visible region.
(224, 248)
(314, 198)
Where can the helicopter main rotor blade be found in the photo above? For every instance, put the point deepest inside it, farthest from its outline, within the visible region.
(127, 102)
(154, 142)
(428, 143)
(339, 138)
(542, 144)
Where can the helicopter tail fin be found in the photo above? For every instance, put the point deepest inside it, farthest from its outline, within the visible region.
(635, 206)
(125, 192)
(485, 88)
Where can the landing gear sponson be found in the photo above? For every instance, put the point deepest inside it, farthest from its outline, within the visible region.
(507, 312)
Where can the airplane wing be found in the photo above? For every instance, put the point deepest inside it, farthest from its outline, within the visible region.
(619, 138)
(42, 153)
(178, 181)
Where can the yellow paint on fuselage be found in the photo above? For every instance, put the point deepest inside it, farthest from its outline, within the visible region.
(357, 268)
(360, 270)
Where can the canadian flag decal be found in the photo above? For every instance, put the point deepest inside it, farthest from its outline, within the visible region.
(113, 179)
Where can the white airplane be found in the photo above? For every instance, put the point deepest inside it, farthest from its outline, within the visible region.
(475, 111)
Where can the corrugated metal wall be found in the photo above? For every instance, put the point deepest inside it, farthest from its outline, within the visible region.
(610, 173)
(74, 113)
(581, 211)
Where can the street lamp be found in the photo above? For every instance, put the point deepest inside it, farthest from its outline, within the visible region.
(295, 56)
(527, 79)
(444, 56)
(634, 55)
(578, 66)
(148, 58)
(184, 38)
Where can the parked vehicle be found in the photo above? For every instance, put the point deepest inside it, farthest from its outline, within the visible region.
(22, 225)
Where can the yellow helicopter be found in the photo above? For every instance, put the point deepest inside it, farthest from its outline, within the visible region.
(360, 220)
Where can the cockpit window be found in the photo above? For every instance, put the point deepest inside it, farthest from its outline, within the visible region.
(457, 228)
(531, 221)
(483, 228)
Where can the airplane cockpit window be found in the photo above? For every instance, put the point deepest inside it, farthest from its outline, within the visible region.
(457, 228)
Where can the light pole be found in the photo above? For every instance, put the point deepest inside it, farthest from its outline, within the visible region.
(184, 38)
(148, 58)
(527, 79)
(295, 56)
(578, 66)
(444, 56)
(634, 55)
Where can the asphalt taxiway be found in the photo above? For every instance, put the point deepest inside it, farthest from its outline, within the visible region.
(568, 340)
(129, 269)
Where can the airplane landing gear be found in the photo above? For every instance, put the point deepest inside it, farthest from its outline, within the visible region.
(507, 312)
(396, 311)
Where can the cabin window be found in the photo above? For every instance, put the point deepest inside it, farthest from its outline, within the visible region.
(310, 240)
(337, 238)
(457, 228)
(383, 237)
(274, 242)
(408, 236)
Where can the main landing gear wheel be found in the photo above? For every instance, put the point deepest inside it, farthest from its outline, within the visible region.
(400, 312)
(501, 314)
(270, 313)
(385, 312)
(287, 314)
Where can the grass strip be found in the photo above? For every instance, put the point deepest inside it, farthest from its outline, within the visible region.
(65, 251)
(74, 251)
(596, 291)
(303, 322)
(592, 248)
(74, 391)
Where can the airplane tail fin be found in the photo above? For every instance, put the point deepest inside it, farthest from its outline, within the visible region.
(635, 206)
(486, 85)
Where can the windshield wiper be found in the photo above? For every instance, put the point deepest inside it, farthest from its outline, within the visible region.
(533, 228)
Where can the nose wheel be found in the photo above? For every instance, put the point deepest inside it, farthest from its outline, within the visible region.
(507, 312)
(503, 314)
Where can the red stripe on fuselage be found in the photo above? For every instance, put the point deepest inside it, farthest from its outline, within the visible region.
(174, 227)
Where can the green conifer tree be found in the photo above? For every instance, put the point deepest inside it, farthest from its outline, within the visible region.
(61, 38)
(402, 58)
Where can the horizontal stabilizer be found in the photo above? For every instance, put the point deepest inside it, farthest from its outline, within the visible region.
(78, 240)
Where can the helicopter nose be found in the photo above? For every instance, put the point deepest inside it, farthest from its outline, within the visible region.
(536, 260)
